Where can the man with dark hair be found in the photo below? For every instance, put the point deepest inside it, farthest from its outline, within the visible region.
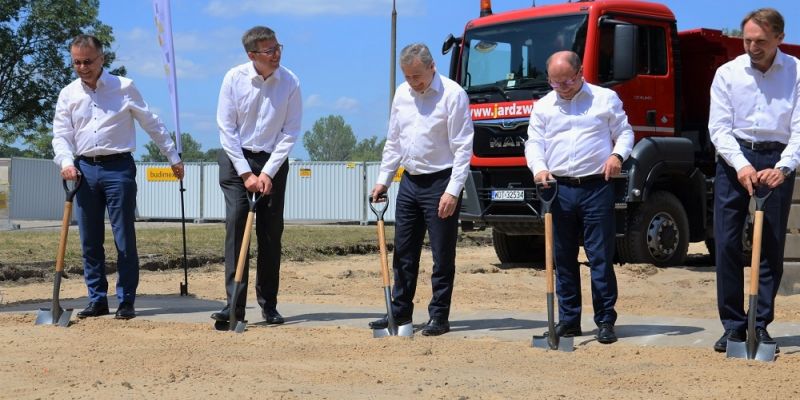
(430, 136)
(93, 136)
(754, 123)
(258, 114)
(579, 135)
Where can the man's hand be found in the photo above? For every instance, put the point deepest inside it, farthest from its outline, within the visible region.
(772, 177)
(612, 167)
(447, 205)
(265, 183)
(69, 173)
(251, 182)
(377, 191)
(748, 178)
(543, 177)
(178, 170)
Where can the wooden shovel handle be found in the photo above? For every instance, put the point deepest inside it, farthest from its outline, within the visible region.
(384, 255)
(62, 242)
(248, 227)
(548, 251)
(755, 259)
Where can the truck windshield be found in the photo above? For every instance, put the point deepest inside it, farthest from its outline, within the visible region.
(501, 59)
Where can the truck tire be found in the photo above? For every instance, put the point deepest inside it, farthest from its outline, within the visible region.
(658, 232)
(747, 243)
(518, 248)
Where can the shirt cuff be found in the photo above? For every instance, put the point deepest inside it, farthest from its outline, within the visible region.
(739, 161)
(454, 189)
(385, 179)
(67, 162)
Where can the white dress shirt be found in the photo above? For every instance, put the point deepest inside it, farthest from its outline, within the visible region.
(574, 138)
(429, 132)
(100, 122)
(258, 115)
(756, 106)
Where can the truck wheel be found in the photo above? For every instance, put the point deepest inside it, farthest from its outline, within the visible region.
(518, 248)
(747, 243)
(658, 231)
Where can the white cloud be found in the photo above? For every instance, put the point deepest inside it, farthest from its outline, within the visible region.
(223, 8)
(346, 104)
(314, 100)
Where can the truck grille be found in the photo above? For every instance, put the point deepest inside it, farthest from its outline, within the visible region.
(504, 138)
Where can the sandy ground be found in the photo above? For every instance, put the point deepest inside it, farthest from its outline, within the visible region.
(104, 358)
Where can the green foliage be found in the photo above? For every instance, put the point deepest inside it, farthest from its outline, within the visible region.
(368, 150)
(36, 64)
(732, 32)
(192, 150)
(330, 139)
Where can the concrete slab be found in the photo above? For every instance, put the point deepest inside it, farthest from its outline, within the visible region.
(500, 324)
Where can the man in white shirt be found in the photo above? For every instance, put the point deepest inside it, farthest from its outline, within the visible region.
(430, 136)
(754, 123)
(578, 136)
(93, 136)
(259, 113)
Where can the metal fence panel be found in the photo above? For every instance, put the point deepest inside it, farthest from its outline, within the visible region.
(213, 199)
(36, 190)
(328, 191)
(158, 193)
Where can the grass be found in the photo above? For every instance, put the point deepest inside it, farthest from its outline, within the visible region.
(162, 248)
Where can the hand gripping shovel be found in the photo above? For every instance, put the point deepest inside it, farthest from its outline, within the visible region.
(55, 315)
(550, 340)
(392, 329)
(233, 323)
(752, 349)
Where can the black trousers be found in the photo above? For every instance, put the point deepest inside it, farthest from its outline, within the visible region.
(416, 211)
(731, 207)
(269, 229)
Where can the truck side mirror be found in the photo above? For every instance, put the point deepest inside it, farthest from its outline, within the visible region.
(626, 45)
(450, 43)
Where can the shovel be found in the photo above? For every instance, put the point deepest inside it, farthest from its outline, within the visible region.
(752, 349)
(55, 315)
(550, 340)
(392, 329)
(233, 324)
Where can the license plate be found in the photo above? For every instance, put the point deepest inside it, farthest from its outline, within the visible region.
(508, 195)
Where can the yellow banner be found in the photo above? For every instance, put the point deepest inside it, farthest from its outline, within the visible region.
(160, 174)
(305, 172)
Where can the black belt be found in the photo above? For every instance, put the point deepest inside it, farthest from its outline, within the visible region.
(434, 175)
(579, 180)
(254, 153)
(758, 146)
(105, 158)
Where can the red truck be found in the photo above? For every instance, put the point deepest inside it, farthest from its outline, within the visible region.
(664, 196)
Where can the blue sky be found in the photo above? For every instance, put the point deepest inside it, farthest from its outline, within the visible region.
(338, 48)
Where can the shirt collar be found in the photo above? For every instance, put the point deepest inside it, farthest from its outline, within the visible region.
(101, 80)
(435, 86)
(584, 90)
(253, 74)
(780, 59)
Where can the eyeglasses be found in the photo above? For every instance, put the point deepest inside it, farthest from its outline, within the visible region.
(568, 82)
(270, 51)
(87, 62)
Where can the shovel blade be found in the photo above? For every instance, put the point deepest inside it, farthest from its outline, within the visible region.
(225, 326)
(406, 330)
(561, 344)
(381, 333)
(59, 317)
(763, 351)
(240, 326)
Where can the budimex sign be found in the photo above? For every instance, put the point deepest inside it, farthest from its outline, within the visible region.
(160, 174)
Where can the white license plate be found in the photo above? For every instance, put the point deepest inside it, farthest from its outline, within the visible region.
(508, 195)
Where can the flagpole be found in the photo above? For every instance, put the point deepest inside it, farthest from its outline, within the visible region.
(163, 19)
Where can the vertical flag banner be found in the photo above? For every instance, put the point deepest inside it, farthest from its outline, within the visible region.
(163, 19)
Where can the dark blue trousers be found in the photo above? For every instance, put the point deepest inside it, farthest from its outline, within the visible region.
(269, 229)
(589, 209)
(417, 206)
(731, 208)
(108, 186)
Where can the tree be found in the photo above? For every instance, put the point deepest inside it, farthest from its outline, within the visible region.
(191, 150)
(330, 139)
(36, 64)
(732, 32)
(368, 150)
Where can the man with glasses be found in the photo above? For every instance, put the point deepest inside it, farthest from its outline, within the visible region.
(754, 123)
(93, 136)
(258, 115)
(578, 136)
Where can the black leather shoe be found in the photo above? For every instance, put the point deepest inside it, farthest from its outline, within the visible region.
(95, 309)
(125, 311)
(763, 337)
(224, 314)
(732, 334)
(436, 327)
(383, 323)
(564, 330)
(605, 333)
(272, 316)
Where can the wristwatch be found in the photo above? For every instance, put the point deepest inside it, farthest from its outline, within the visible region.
(619, 157)
(786, 171)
